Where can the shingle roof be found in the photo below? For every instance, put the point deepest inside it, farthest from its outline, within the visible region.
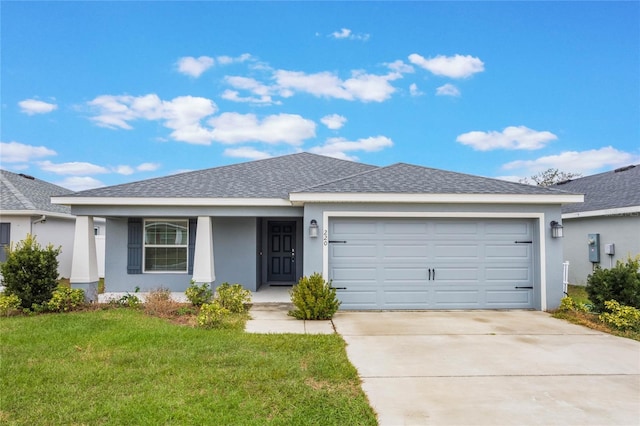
(270, 178)
(411, 179)
(23, 192)
(609, 190)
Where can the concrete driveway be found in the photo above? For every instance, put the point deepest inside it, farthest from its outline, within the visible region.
(491, 368)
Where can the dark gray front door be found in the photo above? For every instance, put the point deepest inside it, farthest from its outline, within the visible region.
(281, 255)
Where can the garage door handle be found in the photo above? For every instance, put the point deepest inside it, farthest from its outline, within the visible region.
(434, 274)
(524, 287)
(339, 288)
(429, 274)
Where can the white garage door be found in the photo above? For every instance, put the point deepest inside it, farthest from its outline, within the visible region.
(432, 263)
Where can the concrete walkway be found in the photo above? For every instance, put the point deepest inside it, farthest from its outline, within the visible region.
(273, 318)
(491, 368)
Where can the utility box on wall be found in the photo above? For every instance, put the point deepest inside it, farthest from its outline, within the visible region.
(610, 249)
(594, 247)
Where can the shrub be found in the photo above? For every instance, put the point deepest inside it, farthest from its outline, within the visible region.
(8, 303)
(211, 315)
(198, 294)
(31, 272)
(159, 303)
(567, 304)
(233, 297)
(620, 283)
(128, 300)
(314, 299)
(620, 316)
(65, 299)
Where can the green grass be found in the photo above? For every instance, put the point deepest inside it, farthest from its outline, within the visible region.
(578, 293)
(120, 366)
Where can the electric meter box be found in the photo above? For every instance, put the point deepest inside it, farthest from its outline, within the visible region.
(594, 247)
(610, 249)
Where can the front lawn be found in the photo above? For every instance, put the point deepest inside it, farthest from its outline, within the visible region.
(120, 366)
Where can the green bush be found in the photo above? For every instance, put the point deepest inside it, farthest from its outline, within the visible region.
(128, 300)
(65, 299)
(567, 304)
(198, 294)
(211, 315)
(233, 297)
(620, 316)
(620, 283)
(31, 272)
(314, 299)
(8, 303)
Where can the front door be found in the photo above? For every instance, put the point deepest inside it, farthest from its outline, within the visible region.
(281, 254)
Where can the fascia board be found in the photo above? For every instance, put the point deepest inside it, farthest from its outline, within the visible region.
(139, 201)
(36, 213)
(621, 211)
(436, 198)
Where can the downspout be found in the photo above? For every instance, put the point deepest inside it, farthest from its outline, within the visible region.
(42, 219)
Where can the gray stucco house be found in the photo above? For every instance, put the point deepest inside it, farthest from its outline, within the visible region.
(395, 237)
(606, 227)
(26, 208)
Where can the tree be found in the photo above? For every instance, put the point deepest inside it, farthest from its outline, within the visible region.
(550, 177)
(31, 272)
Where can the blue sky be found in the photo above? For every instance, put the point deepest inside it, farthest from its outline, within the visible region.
(102, 93)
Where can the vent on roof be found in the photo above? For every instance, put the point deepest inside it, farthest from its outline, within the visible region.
(26, 176)
(562, 182)
(624, 169)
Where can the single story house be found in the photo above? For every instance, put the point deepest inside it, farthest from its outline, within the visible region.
(606, 227)
(26, 208)
(395, 237)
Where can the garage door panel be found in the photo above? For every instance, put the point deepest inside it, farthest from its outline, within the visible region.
(508, 298)
(464, 252)
(386, 263)
(354, 251)
(395, 251)
(501, 252)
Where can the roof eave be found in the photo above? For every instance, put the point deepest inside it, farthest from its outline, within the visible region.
(161, 201)
(619, 211)
(301, 198)
(34, 213)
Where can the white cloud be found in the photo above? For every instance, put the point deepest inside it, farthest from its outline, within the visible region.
(15, 152)
(400, 67)
(263, 92)
(227, 60)
(231, 127)
(234, 96)
(339, 147)
(74, 168)
(78, 183)
(457, 66)
(584, 162)
(182, 114)
(244, 152)
(447, 90)
(511, 137)
(346, 33)
(148, 167)
(361, 86)
(333, 121)
(34, 106)
(124, 170)
(414, 91)
(194, 67)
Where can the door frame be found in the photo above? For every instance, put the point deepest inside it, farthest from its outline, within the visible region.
(263, 241)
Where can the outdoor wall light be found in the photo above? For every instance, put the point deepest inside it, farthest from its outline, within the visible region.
(313, 229)
(556, 229)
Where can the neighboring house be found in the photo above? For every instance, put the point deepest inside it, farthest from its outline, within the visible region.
(606, 227)
(396, 237)
(26, 208)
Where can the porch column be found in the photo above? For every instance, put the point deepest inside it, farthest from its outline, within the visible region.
(84, 264)
(203, 268)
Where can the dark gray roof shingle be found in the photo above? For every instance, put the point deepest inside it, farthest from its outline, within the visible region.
(407, 178)
(270, 178)
(609, 190)
(23, 192)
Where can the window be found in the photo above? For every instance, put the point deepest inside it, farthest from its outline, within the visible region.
(166, 245)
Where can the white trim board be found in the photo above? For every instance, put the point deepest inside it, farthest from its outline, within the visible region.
(436, 198)
(479, 215)
(157, 201)
(620, 211)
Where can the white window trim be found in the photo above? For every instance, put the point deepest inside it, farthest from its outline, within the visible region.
(326, 215)
(144, 246)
